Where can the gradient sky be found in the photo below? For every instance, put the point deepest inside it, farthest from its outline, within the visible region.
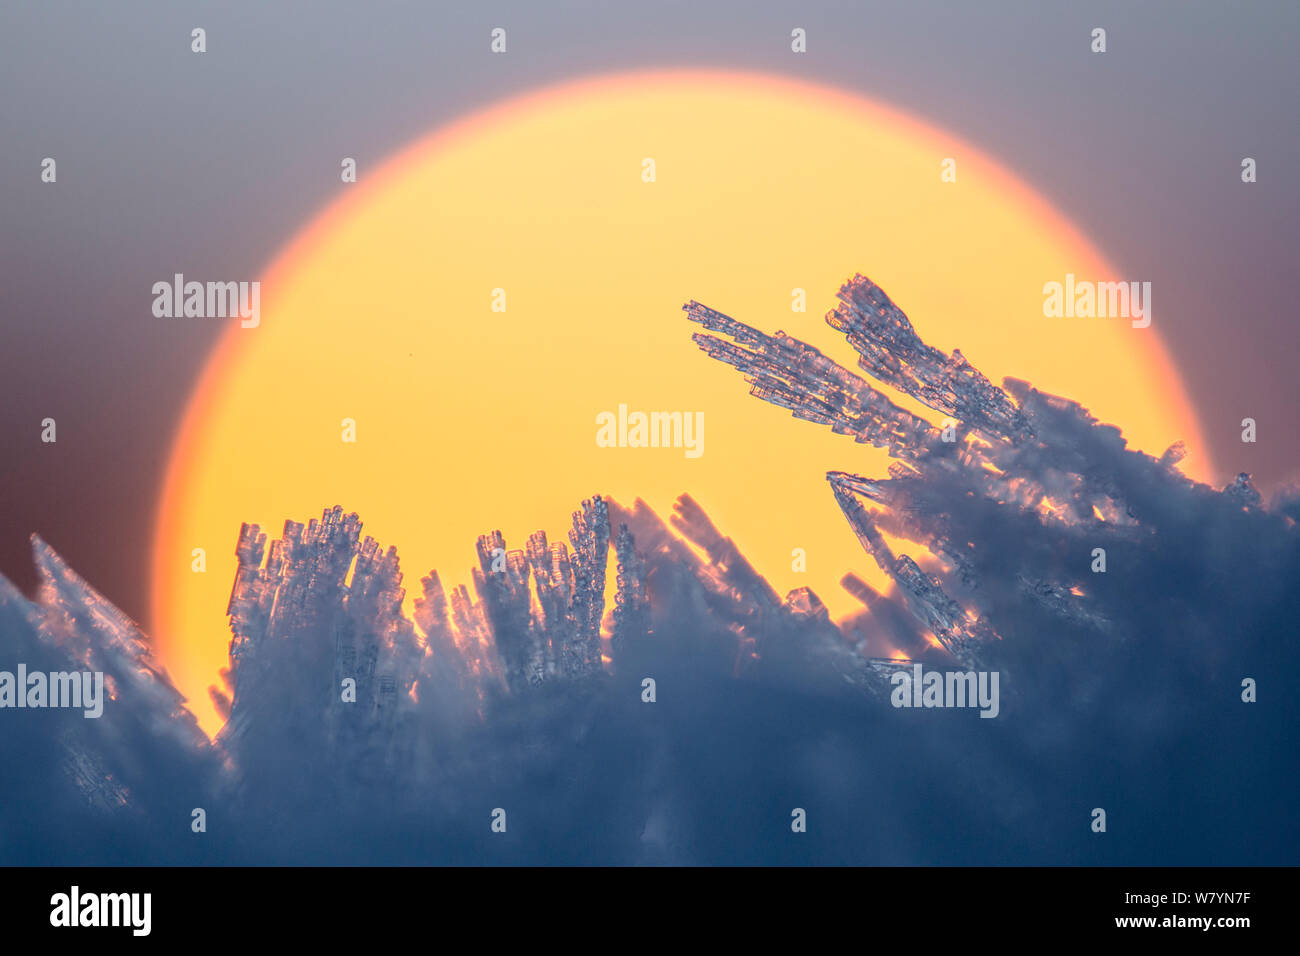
(172, 162)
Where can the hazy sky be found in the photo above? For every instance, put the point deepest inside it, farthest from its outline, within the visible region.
(173, 162)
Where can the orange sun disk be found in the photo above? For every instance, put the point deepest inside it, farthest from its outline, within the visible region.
(469, 419)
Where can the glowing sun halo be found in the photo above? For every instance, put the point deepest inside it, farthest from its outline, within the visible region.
(469, 420)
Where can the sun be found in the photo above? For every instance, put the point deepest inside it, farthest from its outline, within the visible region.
(475, 304)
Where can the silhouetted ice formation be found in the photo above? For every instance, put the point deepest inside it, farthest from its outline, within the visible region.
(1014, 453)
(110, 771)
(358, 734)
(535, 615)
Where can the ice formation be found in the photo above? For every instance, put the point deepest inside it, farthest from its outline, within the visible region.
(341, 707)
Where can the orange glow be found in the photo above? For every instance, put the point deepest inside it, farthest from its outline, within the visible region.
(470, 420)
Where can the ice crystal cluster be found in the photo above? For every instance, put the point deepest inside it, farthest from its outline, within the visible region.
(524, 689)
(1011, 456)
